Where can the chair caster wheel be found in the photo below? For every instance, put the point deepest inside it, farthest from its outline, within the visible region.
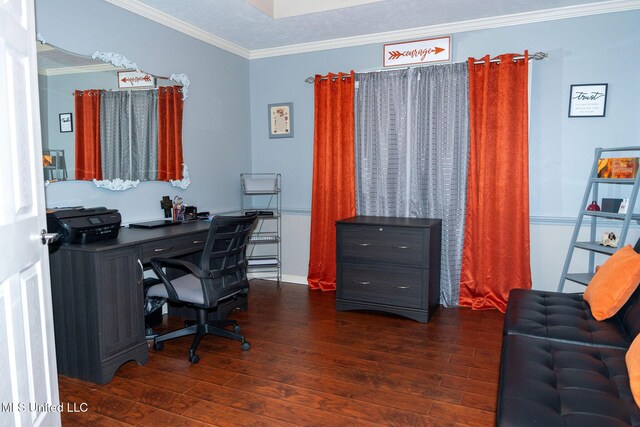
(246, 346)
(236, 329)
(194, 358)
(158, 346)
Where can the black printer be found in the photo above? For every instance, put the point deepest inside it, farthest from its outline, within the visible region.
(84, 225)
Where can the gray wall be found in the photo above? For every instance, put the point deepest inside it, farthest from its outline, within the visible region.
(596, 49)
(226, 127)
(216, 136)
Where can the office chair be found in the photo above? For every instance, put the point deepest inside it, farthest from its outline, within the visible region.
(219, 278)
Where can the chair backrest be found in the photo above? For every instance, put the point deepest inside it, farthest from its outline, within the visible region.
(224, 256)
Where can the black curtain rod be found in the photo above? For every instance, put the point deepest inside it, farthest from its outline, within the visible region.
(535, 56)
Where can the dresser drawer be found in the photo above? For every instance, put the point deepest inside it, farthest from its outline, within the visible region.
(399, 286)
(172, 247)
(386, 244)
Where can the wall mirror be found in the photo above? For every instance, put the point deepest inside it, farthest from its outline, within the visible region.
(132, 133)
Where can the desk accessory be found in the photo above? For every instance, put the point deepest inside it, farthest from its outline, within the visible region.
(167, 205)
(154, 224)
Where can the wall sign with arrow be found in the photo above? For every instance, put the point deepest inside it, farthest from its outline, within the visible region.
(135, 79)
(417, 52)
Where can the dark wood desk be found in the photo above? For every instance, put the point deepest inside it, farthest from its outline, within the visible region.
(98, 301)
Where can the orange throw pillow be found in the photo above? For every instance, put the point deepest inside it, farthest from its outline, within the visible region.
(613, 283)
(633, 367)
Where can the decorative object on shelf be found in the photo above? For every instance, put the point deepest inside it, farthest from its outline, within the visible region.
(593, 206)
(588, 100)
(609, 239)
(624, 205)
(620, 167)
(66, 122)
(611, 205)
(281, 120)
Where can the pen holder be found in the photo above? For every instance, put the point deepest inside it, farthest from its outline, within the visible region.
(178, 213)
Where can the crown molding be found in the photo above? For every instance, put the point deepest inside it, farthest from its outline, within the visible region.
(456, 27)
(76, 70)
(610, 6)
(169, 21)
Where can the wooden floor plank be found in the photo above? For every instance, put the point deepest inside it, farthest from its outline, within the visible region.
(309, 365)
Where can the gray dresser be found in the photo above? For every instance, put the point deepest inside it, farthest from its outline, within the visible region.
(389, 264)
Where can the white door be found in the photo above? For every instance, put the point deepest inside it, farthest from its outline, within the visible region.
(28, 374)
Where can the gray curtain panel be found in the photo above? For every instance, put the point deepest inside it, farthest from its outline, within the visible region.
(381, 148)
(114, 135)
(129, 134)
(439, 139)
(144, 134)
(412, 151)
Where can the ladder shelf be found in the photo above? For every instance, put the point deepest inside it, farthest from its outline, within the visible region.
(592, 193)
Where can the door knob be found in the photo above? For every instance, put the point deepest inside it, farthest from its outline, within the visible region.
(48, 238)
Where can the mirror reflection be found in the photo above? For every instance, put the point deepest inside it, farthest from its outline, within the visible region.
(101, 122)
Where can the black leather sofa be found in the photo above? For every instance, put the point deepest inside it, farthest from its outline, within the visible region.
(561, 367)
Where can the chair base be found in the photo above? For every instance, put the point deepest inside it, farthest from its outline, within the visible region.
(199, 329)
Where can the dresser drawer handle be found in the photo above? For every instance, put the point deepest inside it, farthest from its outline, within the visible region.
(197, 242)
(361, 244)
(401, 246)
(359, 282)
(401, 286)
(163, 249)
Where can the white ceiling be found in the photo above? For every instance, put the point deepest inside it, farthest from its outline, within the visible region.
(241, 28)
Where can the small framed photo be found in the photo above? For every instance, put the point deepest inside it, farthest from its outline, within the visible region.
(588, 100)
(281, 120)
(66, 122)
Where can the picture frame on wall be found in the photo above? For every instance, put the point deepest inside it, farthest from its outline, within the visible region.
(66, 122)
(588, 100)
(281, 120)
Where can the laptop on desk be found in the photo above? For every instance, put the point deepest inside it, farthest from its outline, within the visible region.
(154, 224)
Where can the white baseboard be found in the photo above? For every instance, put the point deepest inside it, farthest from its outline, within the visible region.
(298, 280)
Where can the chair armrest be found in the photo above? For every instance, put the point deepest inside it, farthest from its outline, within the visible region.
(172, 262)
(158, 263)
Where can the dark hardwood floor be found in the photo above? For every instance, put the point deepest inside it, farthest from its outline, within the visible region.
(310, 366)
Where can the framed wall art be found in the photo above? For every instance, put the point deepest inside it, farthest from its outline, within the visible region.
(588, 100)
(66, 122)
(281, 120)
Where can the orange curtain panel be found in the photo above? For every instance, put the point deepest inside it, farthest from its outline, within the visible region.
(170, 104)
(496, 240)
(87, 109)
(333, 194)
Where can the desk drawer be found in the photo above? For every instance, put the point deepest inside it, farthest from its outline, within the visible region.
(168, 248)
(387, 244)
(385, 285)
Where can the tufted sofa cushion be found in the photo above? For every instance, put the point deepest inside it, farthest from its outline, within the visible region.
(554, 383)
(567, 317)
(629, 314)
